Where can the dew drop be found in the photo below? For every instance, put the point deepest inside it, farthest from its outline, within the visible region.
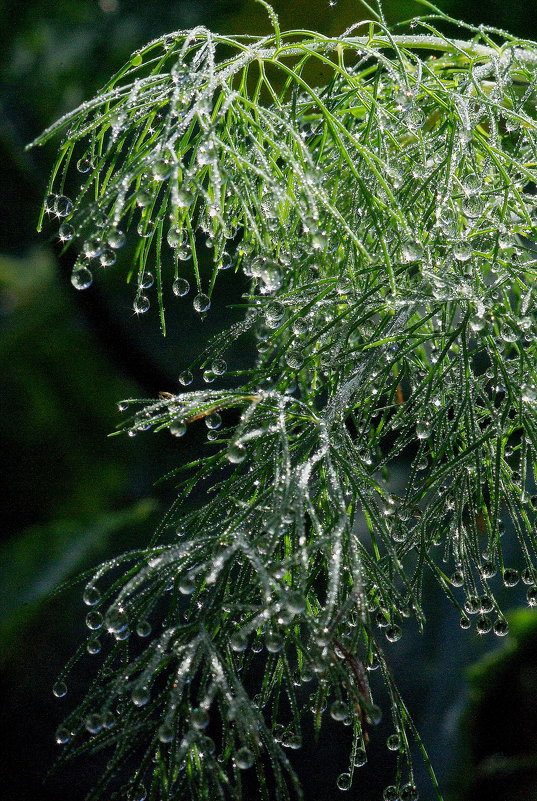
(93, 646)
(116, 620)
(238, 642)
(423, 429)
(66, 232)
(107, 257)
(63, 735)
(94, 723)
(91, 248)
(116, 239)
(184, 199)
(59, 689)
(91, 595)
(178, 429)
(81, 278)
(462, 251)
(501, 627)
(84, 165)
(344, 781)
(375, 714)
(409, 792)
(187, 585)
(236, 453)
(140, 696)
(94, 620)
(143, 628)
(244, 758)
(161, 170)
(165, 733)
(143, 198)
(339, 710)
(393, 633)
(186, 378)
(135, 62)
(393, 742)
(218, 367)
(531, 596)
(360, 757)
(145, 228)
(141, 304)
(213, 420)
(510, 577)
(64, 206)
(465, 622)
(273, 642)
(147, 280)
(457, 578)
(202, 302)
(199, 718)
(483, 624)
(390, 793)
(412, 251)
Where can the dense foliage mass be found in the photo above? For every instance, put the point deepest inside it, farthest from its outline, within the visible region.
(386, 219)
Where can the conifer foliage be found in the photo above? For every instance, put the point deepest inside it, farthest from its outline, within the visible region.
(386, 221)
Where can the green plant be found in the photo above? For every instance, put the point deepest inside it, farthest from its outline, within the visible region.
(386, 220)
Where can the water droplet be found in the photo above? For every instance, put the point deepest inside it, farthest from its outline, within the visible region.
(145, 228)
(206, 746)
(93, 646)
(178, 429)
(457, 578)
(339, 710)
(213, 420)
(143, 198)
(116, 239)
(296, 603)
(184, 199)
(463, 251)
(140, 696)
(202, 302)
(394, 742)
(423, 429)
(218, 367)
(66, 232)
(375, 714)
(360, 758)
(91, 595)
(147, 280)
(472, 605)
(116, 620)
(294, 359)
(63, 735)
(199, 718)
(84, 165)
(236, 453)
(274, 311)
(143, 628)
(81, 278)
(238, 642)
(344, 781)
(186, 378)
(531, 596)
(390, 793)
(139, 793)
(161, 170)
(501, 627)
(483, 624)
(465, 622)
(141, 304)
(136, 60)
(273, 642)
(412, 251)
(94, 723)
(166, 732)
(64, 206)
(94, 620)
(409, 792)
(60, 689)
(187, 585)
(107, 257)
(510, 577)
(91, 248)
(244, 758)
(393, 633)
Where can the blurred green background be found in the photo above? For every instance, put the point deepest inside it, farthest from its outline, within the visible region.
(73, 497)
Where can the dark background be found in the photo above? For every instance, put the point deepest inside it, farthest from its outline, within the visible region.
(73, 497)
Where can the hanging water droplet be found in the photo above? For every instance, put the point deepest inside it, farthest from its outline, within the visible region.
(465, 622)
(501, 627)
(238, 642)
(409, 792)
(116, 620)
(143, 628)
(186, 378)
(339, 710)
(463, 251)
(147, 280)
(91, 248)
(273, 642)
(199, 718)
(390, 793)
(178, 429)
(394, 742)
(483, 624)
(94, 620)
(141, 304)
(63, 735)
(166, 732)
(184, 199)
(344, 781)
(64, 206)
(423, 429)
(531, 596)
(244, 758)
(457, 578)
(145, 228)
(84, 165)
(393, 633)
(510, 577)
(187, 585)
(213, 420)
(161, 170)
(202, 302)
(116, 239)
(91, 595)
(140, 696)
(218, 367)
(94, 723)
(59, 689)
(66, 232)
(107, 257)
(93, 646)
(236, 453)
(296, 603)
(375, 714)
(294, 359)
(360, 758)
(412, 251)
(81, 278)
